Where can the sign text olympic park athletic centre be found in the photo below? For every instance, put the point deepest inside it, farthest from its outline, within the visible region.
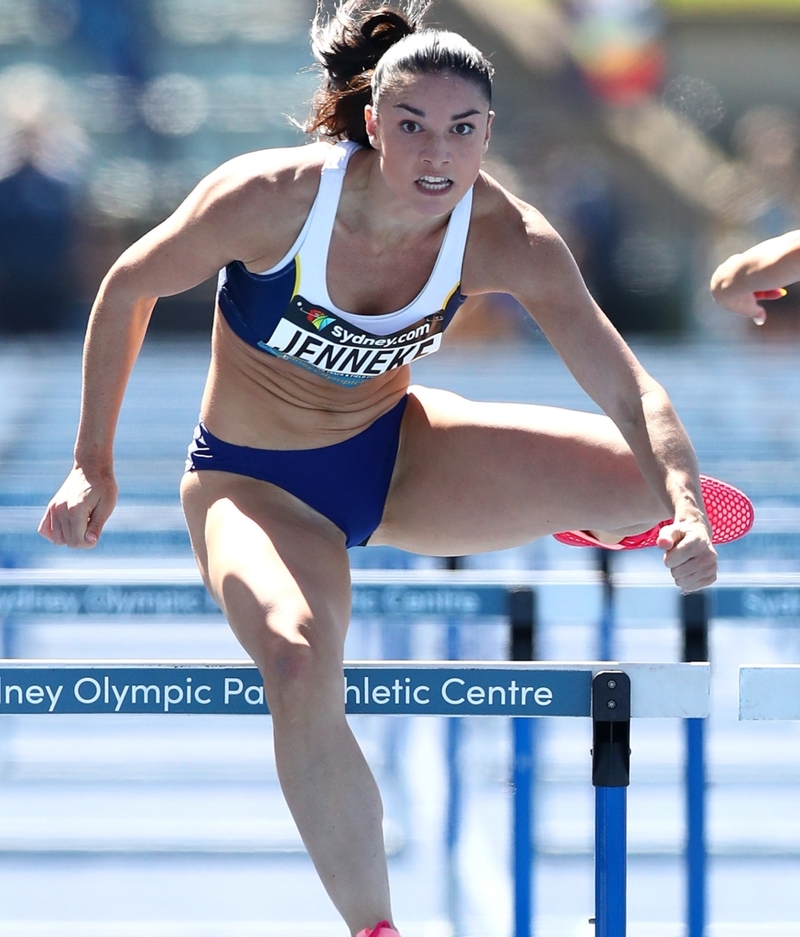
(471, 601)
(237, 690)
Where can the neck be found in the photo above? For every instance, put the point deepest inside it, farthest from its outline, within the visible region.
(375, 208)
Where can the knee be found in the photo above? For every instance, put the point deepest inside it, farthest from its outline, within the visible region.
(303, 683)
(295, 653)
(290, 672)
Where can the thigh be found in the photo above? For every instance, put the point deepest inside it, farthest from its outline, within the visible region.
(472, 477)
(277, 568)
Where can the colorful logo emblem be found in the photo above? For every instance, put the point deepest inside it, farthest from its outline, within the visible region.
(319, 319)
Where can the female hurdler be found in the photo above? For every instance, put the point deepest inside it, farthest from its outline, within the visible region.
(342, 262)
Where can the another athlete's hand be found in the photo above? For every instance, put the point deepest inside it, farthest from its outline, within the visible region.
(744, 281)
(76, 515)
(731, 290)
(689, 554)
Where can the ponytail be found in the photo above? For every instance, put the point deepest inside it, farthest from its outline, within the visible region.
(348, 48)
(351, 48)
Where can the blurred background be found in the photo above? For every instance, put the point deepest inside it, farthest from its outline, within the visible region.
(658, 136)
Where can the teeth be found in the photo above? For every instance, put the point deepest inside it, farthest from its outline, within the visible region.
(434, 182)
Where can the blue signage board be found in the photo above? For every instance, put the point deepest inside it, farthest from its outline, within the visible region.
(757, 602)
(462, 600)
(237, 690)
(460, 691)
(99, 599)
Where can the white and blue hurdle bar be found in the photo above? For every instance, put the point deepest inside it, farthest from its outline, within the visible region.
(465, 595)
(766, 597)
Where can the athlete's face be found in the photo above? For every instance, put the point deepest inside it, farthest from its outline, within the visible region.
(430, 132)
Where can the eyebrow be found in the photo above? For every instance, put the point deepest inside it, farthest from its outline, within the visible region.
(418, 113)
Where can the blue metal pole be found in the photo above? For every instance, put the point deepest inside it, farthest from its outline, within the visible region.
(610, 861)
(611, 728)
(523, 837)
(454, 786)
(522, 618)
(454, 796)
(696, 855)
(695, 613)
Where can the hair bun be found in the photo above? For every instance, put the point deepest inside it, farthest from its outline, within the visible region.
(380, 31)
(386, 27)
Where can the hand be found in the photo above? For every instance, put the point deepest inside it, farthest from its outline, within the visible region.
(731, 290)
(76, 515)
(689, 554)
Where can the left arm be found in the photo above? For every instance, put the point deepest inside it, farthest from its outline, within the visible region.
(538, 269)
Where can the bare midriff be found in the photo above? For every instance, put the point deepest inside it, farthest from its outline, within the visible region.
(254, 399)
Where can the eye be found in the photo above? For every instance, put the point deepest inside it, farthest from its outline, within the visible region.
(410, 126)
(463, 130)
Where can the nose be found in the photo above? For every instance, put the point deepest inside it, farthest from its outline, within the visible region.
(437, 153)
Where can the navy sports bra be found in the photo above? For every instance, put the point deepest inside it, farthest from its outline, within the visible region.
(287, 312)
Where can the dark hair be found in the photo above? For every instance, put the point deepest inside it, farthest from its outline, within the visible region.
(353, 48)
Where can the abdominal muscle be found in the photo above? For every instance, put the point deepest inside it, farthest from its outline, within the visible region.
(254, 399)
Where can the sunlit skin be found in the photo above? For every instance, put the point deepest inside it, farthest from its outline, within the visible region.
(434, 126)
(469, 476)
(428, 126)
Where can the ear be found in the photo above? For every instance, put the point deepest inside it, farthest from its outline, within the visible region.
(488, 131)
(371, 121)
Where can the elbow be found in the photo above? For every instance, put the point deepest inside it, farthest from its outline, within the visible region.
(122, 300)
(122, 287)
(656, 409)
(654, 399)
(642, 408)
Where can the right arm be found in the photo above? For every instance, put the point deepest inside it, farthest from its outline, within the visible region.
(521, 254)
(217, 223)
(766, 268)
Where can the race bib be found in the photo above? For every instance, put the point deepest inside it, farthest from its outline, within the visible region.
(323, 343)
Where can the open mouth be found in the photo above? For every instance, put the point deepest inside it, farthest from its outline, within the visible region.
(435, 184)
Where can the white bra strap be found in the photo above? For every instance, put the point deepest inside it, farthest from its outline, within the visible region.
(446, 274)
(313, 253)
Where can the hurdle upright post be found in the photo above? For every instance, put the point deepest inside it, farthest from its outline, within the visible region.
(605, 643)
(453, 739)
(522, 620)
(611, 733)
(694, 616)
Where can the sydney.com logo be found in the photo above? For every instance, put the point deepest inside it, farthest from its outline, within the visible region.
(319, 319)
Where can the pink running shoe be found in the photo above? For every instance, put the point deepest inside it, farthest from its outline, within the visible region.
(381, 929)
(730, 513)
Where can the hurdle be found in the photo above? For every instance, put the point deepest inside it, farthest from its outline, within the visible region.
(465, 595)
(610, 694)
(740, 597)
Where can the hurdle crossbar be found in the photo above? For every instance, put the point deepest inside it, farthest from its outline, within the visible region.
(439, 688)
(769, 692)
(468, 594)
(405, 593)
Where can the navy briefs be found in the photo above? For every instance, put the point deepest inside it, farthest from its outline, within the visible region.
(347, 482)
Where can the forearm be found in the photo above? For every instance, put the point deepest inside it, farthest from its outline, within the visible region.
(665, 454)
(116, 330)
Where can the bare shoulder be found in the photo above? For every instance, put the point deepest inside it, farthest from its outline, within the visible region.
(511, 244)
(270, 174)
(260, 199)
